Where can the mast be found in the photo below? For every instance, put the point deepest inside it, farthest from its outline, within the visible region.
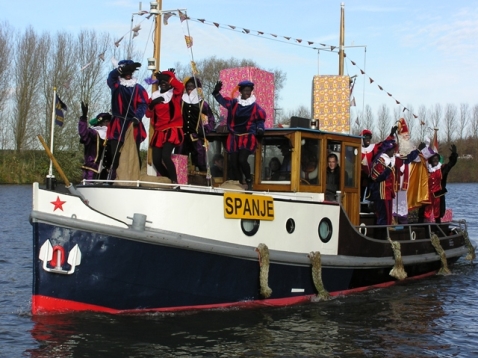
(342, 38)
(157, 40)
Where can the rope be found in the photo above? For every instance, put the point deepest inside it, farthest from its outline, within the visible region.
(398, 271)
(444, 270)
(471, 249)
(263, 252)
(201, 99)
(315, 259)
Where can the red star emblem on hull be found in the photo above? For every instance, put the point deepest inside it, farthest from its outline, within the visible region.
(58, 203)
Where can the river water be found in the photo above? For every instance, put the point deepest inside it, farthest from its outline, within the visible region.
(434, 317)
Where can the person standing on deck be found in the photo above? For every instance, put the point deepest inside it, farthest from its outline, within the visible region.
(245, 122)
(129, 101)
(369, 152)
(164, 110)
(93, 139)
(383, 178)
(198, 120)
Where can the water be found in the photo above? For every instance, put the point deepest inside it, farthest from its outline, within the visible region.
(435, 317)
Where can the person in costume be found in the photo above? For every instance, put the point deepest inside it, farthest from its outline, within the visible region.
(369, 152)
(93, 138)
(245, 122)
(383, 177)
(406, 154)
(198, 120)
(129, 101)
(437, 172)
(164, 110)
(452, 159)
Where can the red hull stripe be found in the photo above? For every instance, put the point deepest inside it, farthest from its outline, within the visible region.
(42, 305)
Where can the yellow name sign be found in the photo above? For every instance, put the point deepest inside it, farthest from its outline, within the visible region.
(246, 206)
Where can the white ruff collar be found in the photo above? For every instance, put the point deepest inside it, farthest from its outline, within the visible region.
(388, 160)
(128, 83)
(246, 102)
(368, 149)
(191, 98)
(166, 95)
(434, 169)
(101, 130)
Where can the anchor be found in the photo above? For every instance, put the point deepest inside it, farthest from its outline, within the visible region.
(55, 256)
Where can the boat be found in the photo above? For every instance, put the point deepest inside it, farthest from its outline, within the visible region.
(145, 246)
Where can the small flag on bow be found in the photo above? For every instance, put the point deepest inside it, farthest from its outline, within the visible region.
(60, 109)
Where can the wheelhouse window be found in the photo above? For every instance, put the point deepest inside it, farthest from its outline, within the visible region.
(310, 161)
(351, 155)
(276, 160)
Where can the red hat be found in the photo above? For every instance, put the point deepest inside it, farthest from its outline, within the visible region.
(402, 126)
(366, 132)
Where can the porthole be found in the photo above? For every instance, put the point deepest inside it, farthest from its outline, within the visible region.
(290, 226)
(250, 227)
(325, 230)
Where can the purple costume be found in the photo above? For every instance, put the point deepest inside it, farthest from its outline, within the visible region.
(94, 146)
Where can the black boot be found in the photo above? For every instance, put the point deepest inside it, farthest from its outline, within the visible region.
(249, 184)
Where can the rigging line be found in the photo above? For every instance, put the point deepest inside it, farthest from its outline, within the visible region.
(363, 90)
(263, 37)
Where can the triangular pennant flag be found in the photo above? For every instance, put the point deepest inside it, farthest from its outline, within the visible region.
(389, 94)
(260, 32)
(381, 88)
(246, 31)
(273, 35)
(310, 42)
(194, 68)
(323, 45)
(332, 48)
(422, 123)
(353, 63)
(287, 38)
(404, 109)
(117, 43)
(415, 116)
(363, 73)
(182, 16)
(202, 20)
(166, 17)
(189, 41)
(371, 80)
(232, 27)
(216, 24)
(298, 40)
(397, 102)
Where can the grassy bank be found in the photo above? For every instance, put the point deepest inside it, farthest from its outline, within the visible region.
(26, 167)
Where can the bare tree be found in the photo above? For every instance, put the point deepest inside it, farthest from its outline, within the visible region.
(367, 119)
(424, 125)
(412, 122)
(6, 33)
(435, 115)
(383, 122)
(474, 121)
(26, 101)
(463, 120)
(450, 122)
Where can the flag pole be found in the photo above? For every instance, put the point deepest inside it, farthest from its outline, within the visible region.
(50, 178)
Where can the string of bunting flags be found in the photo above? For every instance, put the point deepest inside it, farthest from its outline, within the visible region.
(371, 80)
(269, 36)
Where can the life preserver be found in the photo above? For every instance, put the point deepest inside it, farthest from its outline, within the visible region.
(57, 250)
(363, 227)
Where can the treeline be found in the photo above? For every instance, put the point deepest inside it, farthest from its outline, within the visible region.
(28, 166)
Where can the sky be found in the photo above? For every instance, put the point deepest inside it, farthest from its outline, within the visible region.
(422, 52)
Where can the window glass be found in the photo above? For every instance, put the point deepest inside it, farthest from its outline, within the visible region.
(350, 165)
(276, 160)
(310, 161)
